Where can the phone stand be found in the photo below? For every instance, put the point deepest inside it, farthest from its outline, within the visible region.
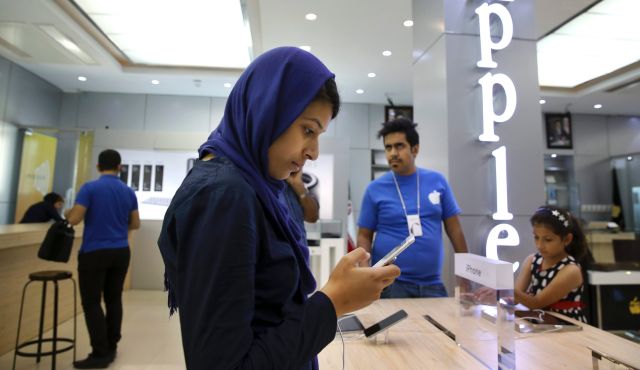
(379, 338)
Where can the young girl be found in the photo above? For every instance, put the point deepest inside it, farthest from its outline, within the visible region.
(553, 279)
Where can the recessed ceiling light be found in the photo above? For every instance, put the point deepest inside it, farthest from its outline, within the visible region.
(386, 53)
(542, 101)
(311, 17)
(305, 47)
(155, 82)
(597, 106)
(629, 158)
(145, 38)
(82, 78)
(227, 84)
(554, 155)
(408, 23)
(371, 74)
(360, 91)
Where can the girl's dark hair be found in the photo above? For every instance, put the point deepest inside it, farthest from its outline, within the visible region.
(561, 222)
(401, 125)
(329, 93)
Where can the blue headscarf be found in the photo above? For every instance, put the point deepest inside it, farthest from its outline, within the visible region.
(270, 94)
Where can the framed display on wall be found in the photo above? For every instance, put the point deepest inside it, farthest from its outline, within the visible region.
(559, 132)
(392, 112)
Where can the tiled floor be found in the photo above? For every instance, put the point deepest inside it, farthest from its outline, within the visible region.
(150, 340)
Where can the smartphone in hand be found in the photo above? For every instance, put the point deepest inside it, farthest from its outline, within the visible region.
(391, 256)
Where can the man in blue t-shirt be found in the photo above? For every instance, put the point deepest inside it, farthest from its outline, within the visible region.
(409, 199)
(109, 209)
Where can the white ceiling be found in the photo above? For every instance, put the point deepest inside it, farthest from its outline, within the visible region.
(349, 36)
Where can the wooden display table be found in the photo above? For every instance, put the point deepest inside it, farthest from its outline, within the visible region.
(416, 344)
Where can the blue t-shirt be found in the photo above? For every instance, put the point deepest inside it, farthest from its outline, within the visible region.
(109, 203)
(382, 212)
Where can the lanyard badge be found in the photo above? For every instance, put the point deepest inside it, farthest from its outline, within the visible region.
(413, 221)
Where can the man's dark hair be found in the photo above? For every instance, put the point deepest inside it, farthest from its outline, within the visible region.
(401, 125)
(109, 160)
(53, 198)
(329, 93)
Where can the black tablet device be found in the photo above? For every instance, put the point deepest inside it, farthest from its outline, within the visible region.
(385, 323)
(349, 323)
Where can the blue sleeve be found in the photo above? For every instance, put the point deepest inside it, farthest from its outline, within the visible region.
(218, 237)
(84, 196)
(368, 211)
(449, 205)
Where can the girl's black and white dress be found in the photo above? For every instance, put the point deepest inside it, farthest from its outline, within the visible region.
(571, 305)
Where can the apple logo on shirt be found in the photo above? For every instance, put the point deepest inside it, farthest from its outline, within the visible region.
(434, 197)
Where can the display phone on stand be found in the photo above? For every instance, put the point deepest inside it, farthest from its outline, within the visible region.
(395, 252)
(385, 323)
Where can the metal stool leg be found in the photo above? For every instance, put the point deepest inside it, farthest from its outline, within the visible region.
(15, 352)
(54, 342)
(44, 298)
(75, 315)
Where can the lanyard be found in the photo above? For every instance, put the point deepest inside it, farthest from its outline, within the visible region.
(404, 207)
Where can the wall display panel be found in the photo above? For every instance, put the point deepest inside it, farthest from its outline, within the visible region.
(158, 178)
(146, 177)
(558, 129)
(135, 177)
(124, 173)
(37, 167)
(392, 112)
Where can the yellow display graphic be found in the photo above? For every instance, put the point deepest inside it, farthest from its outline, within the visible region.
(634, 306)
(84, 159)
(36, 171)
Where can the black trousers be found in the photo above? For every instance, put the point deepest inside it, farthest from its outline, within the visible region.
(102, 273)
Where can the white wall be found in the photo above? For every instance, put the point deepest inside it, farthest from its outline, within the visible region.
(182, 123)
(25, 100)
(160, 122)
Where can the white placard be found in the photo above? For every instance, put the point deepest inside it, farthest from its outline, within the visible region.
(491, 273)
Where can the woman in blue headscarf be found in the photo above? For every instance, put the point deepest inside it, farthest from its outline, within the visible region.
(236, 265)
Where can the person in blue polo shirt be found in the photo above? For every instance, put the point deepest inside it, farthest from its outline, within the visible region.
(109, 209)
(409, 199)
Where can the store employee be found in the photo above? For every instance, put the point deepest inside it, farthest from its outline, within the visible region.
(405, 199)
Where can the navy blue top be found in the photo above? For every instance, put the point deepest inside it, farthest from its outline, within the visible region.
(41, 212)
(109, 203)
(236, 278)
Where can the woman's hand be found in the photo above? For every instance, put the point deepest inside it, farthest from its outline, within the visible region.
(351, 287)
